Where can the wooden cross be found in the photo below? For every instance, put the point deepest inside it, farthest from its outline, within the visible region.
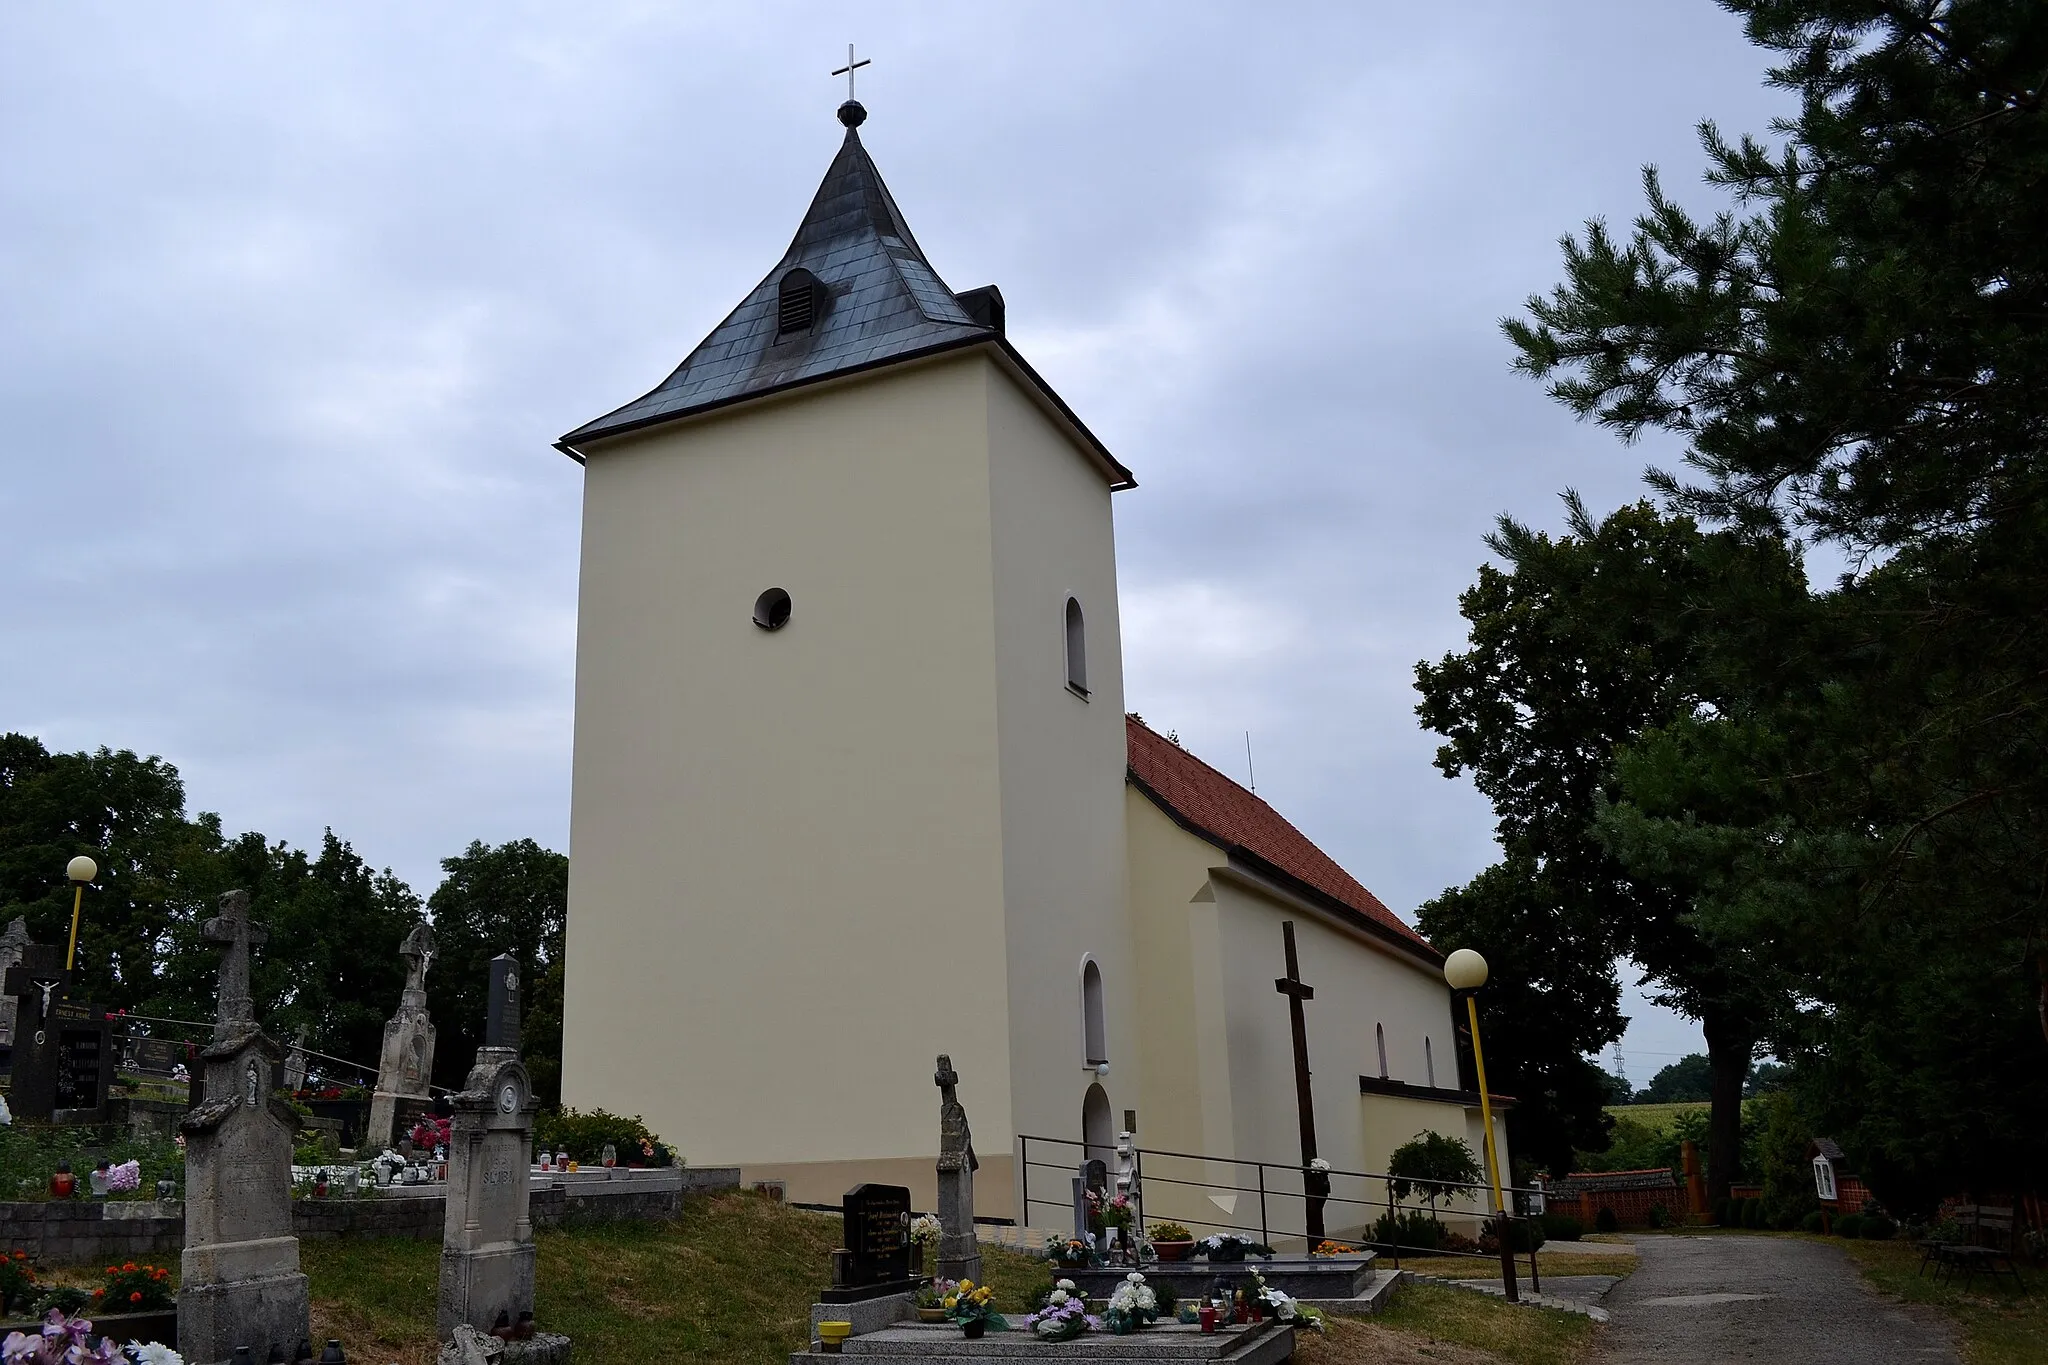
(1292, 986)
(237, 934)
(851, 67)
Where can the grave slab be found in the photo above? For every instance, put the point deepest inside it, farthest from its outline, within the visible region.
(1303, 1277)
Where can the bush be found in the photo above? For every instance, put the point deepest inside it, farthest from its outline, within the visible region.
(1849, 1225)
(1753, 1214)
(1878, 1228)
(1813, 1221)
(1562, 1227)
(1605, 1221)
(584, 1135)
(1721, 1214)
(1660, 1217)
(1410, 1230)
(1521, 1233)
(67, 1299)
(133, 1288)
(18, 1286)
(1432, 1167)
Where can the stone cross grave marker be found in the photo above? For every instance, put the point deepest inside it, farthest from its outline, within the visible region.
(37, 984)
(875, 1224)
(959, 1252)
(295, 1062)
(487, 1251)
(241, 1287)
(405, 1066)
(12, 942)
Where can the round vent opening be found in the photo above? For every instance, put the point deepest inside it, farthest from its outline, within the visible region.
(771, 609)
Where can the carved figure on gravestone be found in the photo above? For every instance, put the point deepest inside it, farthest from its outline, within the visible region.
(295, 1062)
(415, 1059)
(418, 952)
(233, 928)
(959, 1254)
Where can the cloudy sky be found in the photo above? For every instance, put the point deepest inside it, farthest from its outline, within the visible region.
(296, 298)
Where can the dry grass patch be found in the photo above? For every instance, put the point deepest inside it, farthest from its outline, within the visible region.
(2000, 1324)
(1436, 1322)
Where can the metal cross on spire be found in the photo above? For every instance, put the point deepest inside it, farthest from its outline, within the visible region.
(851, 67)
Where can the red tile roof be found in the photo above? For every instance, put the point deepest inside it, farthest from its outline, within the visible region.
(1206, 803)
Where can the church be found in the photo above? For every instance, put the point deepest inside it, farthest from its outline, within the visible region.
(854, 784)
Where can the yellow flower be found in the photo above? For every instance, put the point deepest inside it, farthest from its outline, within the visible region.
(966, 1285)
(952, 1300)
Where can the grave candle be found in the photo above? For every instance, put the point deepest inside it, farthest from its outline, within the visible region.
(63, 1184)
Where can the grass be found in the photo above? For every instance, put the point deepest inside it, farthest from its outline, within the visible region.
(1656, 1117)
(1436, 1323)
(1474, 1268)
(2000, 1325)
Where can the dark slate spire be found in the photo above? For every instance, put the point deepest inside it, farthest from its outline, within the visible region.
(875, 300)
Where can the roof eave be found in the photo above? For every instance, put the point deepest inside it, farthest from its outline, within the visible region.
(574, 443)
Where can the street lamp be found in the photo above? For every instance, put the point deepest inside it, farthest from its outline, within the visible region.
(1465, 970)
(81, 870)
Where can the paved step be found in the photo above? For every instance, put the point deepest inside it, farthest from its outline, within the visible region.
(1160, 1344)
(1374, 1298)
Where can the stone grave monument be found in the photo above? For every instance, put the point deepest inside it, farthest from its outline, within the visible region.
(959, 1251)
(407, 1062)
(37, 984)
(296, 1063)
(12, 943)
(240, 1285)
(875, 1262)
(487, 1238)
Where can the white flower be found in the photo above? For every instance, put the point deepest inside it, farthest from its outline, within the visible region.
(1319, 1165)
(154, 1353)
(1057, 1296)
(1067, 1285)
(1135, 1278)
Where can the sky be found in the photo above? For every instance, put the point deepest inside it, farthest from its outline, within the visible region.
(297, 298)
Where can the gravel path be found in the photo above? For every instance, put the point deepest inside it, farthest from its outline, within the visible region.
(1709, 1300)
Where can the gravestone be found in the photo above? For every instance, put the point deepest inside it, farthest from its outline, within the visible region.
(487, 1238)
(295, 1063)
(86, 1062)
(240, 1284)
(406, 1064)
(875, 1262)
(959, 1252)
(37, 984)
(12, 942)
(156, 1056)
(1091, 1177)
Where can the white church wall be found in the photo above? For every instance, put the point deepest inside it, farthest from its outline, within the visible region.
(1062, 767)
(788, 846)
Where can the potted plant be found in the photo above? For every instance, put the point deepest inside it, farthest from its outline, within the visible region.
(1172, 1242)
(974, 1308)
(1229, 1248)
(1063, 1316)
(1282, 1306)
(931, 1300)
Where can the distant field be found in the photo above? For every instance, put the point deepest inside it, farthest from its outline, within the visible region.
(1656, 1117)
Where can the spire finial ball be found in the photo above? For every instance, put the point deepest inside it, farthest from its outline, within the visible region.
(853, 113)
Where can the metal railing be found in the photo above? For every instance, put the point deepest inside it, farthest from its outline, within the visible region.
(1283, 1189)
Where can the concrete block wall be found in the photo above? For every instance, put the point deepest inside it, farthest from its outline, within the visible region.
(77, 1232)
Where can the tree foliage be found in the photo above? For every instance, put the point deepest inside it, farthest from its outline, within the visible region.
(513, 898)
(1856, 350)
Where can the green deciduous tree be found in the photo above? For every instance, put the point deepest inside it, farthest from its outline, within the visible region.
(513, 898)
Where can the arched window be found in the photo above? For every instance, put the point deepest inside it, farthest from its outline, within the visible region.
(1098, 1137)
(1094, 1035)
(796, 302)
(1381, 1031)
(1429, 1059)
(1077, 650)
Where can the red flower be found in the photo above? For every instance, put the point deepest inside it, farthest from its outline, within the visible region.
(136, 1297)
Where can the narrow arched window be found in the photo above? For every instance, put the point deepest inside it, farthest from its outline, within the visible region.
(796, 302)
(1381, 1031)
(1077, 650)
(1094, 1034)
(1429, 1059)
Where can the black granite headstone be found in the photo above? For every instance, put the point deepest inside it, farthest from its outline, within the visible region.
(875, 1261)
(85, 1060)
(501, 1026)
(38, 984)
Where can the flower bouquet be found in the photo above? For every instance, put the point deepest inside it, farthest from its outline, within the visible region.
(68, 1341)
(973, 1307)
(931, 1300)
(1064, 1317)
(1070, 1254)
(1283, 1307)
(1131, 1306)
(1228, 1247)
(1171, 1241)
(1109, 1210)
(1329, 1248)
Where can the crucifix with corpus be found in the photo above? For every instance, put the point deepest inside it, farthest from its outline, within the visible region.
(1315, 1184)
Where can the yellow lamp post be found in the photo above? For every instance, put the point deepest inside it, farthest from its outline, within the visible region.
(81, 870)
(1465, 970)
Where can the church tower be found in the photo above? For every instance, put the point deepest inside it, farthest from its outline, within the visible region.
(850, 743)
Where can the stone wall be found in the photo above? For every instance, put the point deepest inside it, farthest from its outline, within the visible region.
(73, 1232)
